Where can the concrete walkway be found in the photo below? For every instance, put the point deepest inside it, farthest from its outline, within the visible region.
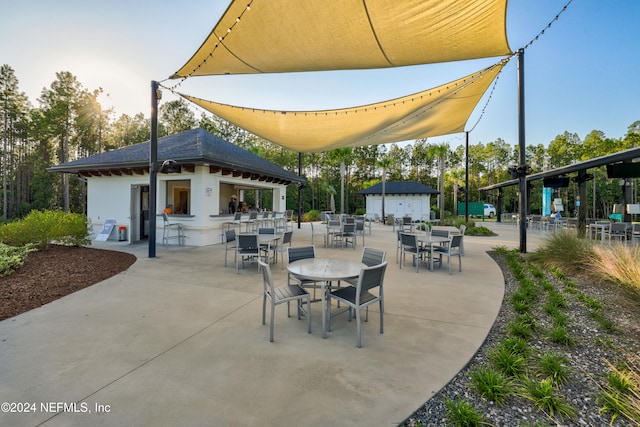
(178, 340)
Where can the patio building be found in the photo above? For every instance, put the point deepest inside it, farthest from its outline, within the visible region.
(206, 172)
(401, 198)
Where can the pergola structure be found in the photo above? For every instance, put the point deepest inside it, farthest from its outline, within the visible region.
(621, 162)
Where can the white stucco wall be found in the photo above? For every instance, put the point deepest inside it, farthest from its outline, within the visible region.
(415, 205)
(110, 197)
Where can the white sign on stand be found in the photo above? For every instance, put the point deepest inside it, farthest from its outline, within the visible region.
(107, 228)
(633, 209)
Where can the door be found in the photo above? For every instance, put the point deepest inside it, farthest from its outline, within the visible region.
(396, 207)
(139, 213)
(134, 208)
(143, 217)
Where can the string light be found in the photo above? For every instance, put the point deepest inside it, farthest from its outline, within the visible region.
(412, 116)
(493, 88)
(215, 47)
(428, 108)
(495, 83)
(388, 129)
(541, 33)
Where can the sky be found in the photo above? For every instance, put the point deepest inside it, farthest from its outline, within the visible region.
(581, 75)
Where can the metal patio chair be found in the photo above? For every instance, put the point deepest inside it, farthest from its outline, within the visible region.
(247, 249)
(409, 244)
(172, 230)
(368, 290)
(453, 249)
(282, 248)
(296, 253)
(281, 295)
(229, 243)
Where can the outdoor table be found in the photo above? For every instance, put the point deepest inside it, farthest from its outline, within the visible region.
(331, 231)
(430, 241)
(448, 228)
(598, 227)
(268, 239)
(399, 223)
(325, 270)
(280, 221)
(245, 219)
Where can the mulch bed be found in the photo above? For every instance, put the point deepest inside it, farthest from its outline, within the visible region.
(57, 271)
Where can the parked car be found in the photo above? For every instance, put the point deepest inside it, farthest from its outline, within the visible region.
(489, 210)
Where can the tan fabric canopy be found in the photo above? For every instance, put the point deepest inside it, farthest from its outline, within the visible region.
(272, 36)
(438, 111)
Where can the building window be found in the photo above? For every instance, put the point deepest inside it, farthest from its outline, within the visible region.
(179, 197)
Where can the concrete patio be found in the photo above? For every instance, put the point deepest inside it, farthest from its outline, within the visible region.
(178, 340)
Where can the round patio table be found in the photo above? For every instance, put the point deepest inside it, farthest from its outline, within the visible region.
(324, 270)
(431, 241)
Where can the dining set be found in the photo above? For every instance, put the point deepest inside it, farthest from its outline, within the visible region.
(424, 247)
(619, 231)
(263, 245)
(343, 231)
(252, 220)
(356, 284)
(340, 284)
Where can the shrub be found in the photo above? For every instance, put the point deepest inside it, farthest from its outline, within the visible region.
(558, 317)
(618, 262)
(312, 215)
(621, 393)
(615, 263)
(557, 299)
(566, 251)
(460, 220)
(501, 250)
(523, 326)
(491, 384)
(555, 366)
(462, 413)
(544, 396)
(560, 335)
(42, 228)
(12, 257)
(514, 345)
(479, 231)
(507, 362)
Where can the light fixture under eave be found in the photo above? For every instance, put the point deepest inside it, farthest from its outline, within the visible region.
(170, 166)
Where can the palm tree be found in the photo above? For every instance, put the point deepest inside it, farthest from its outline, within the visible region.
(440, 151)
(332, 192)
(456, 177)
(384, 163)
(344, 156)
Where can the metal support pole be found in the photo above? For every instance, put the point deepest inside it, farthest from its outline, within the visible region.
(342, 172)
(466, 179)
(299, 190)
(522, 176)
(582, 209)
(627, 197)
(153, 169)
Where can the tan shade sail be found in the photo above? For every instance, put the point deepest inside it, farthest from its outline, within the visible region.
(273, 36)
(439, 111)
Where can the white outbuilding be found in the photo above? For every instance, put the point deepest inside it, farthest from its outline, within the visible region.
(208, 172)
(402, 198)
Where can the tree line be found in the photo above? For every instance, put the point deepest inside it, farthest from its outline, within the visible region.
(70, 123)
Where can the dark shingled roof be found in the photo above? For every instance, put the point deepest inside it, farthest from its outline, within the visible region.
(399, 187)
(190, 148)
